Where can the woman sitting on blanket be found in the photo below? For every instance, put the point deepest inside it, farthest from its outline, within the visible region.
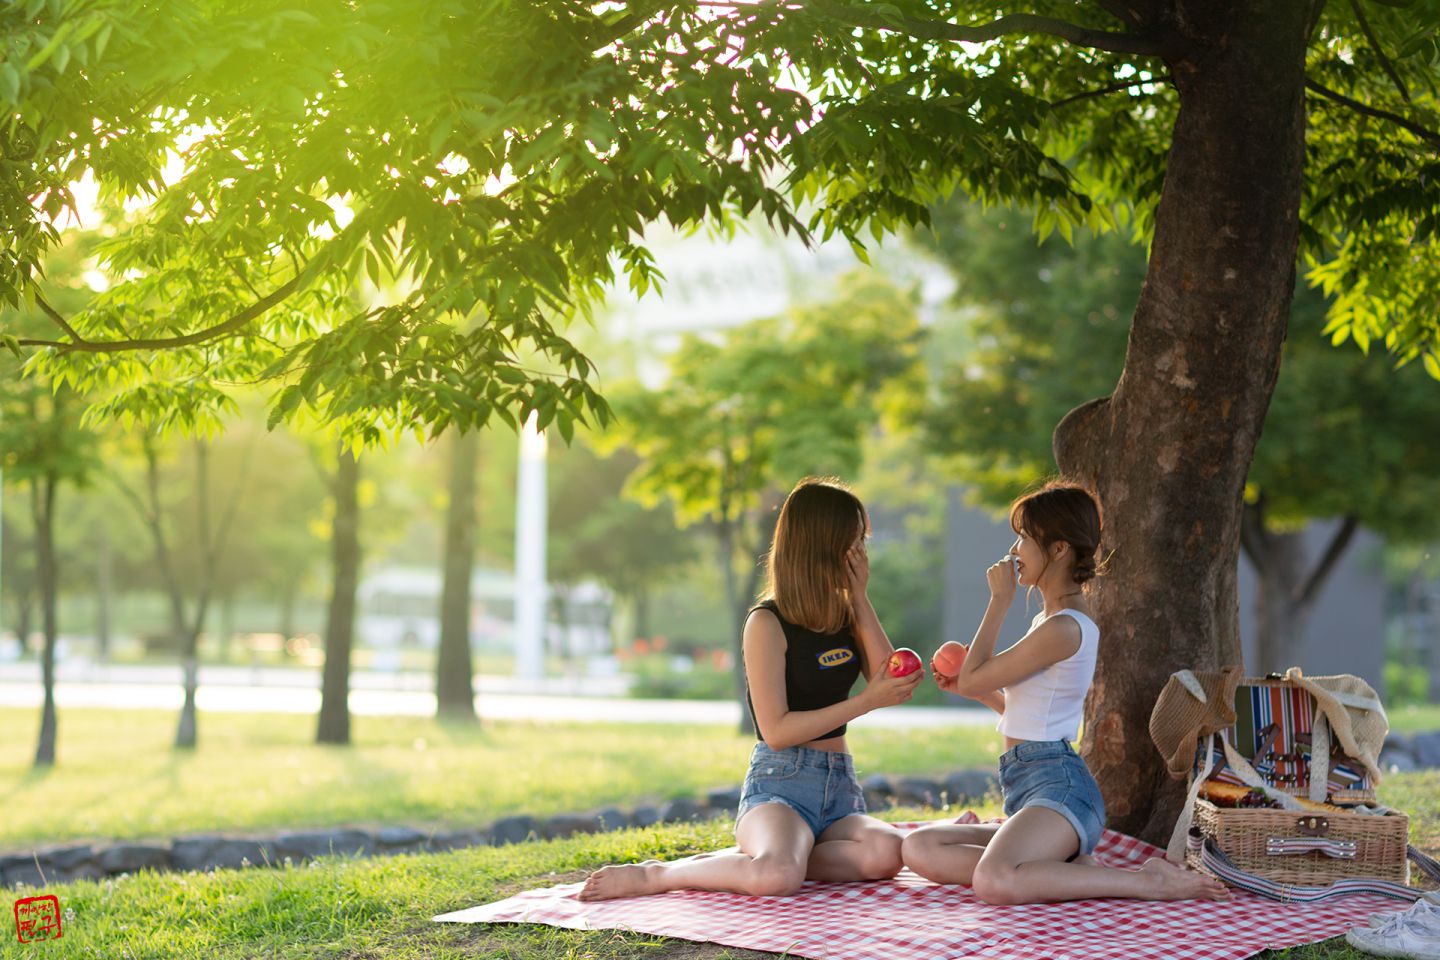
(802, 813)
(1041, 853)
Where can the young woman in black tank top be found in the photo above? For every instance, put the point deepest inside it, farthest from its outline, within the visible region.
(802, 814)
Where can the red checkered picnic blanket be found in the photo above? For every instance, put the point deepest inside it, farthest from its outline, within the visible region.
(909, 918)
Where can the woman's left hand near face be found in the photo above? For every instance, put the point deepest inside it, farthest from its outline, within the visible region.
(857, 565)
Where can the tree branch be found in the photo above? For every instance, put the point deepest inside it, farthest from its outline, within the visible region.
(1252, 535)
(612, 33)
(1424, 133)
(1011, 25)
(1121, 11)
(54, 315)
(79, 345)
(1385, 63)
(1112, 88)
(1332, 555)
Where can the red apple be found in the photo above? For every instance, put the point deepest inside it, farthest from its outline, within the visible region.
(904, 662)
(949, 658)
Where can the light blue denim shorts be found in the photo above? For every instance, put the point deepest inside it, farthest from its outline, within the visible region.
(1050, 774)
(819, 785)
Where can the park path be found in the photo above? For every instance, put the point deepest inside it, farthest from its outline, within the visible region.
(277, 690)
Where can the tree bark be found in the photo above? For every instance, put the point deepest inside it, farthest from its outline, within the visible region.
(187, 734)
(454, 676)
(1430, 662)
(43, 511)
(288, 594)
(104, 588)
(1169, 450)
(1286, 592)
(334, 724)
(725, 536)
(641, 598)
(23, 621)
(185, 731)
(1280, 619)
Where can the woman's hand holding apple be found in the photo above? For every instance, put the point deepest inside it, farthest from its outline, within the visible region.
(887, 690)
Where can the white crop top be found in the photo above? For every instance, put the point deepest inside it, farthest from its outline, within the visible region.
(1050, 704)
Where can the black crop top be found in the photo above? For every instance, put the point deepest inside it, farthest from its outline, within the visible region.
(820, 668)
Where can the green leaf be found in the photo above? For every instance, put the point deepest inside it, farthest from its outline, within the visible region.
(51, 46)
(102, 40)
(10, 82)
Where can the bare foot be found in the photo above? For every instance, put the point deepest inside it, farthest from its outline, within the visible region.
(1171, 882)
(622, 880)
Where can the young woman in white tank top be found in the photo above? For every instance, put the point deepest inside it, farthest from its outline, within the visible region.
(1056, 814)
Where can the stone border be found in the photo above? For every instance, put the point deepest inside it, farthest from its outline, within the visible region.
(1404, 754)
(213, 851)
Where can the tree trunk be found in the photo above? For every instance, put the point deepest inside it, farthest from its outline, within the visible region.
(186, 732)
(24, 620)
(1280, 620)
(1169, 450)
(725, 535)
(149, 509)
(454, 678)
(1286, 592)
(288, 594)
(642, 611)
(43, 511)
(227, 625)
(1427, 645)
(104, 588)
(334, 725)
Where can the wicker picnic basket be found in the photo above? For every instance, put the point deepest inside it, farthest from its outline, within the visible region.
(1247, 838)
(1265, 732)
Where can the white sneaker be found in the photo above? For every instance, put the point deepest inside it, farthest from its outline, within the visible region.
(1414, 934)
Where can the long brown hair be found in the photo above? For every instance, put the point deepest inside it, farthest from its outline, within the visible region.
(805, 573)
(1062, 512)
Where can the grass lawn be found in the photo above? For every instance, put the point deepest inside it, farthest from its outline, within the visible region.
(380, 909)
(117, 776)
(1415, 718)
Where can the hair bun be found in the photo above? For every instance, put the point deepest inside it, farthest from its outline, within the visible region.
(1084, 568)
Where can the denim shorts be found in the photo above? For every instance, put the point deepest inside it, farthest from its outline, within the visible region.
(819, 785)
(1050, 774)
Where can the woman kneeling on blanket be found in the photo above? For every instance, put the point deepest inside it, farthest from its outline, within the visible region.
(1041, 853)
(802, 813)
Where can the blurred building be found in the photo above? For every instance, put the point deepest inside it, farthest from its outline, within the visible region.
(399, 607)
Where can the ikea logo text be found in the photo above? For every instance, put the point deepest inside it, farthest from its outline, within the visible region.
(833, 658)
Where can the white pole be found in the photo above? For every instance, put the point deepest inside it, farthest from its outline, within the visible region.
(530, 533)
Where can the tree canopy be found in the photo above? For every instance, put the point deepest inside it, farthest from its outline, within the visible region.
(503, 159)
(1345, 436)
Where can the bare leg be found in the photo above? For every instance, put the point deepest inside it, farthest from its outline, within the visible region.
(770, 861)
(1025, 863)
(856, 848)
(947, 852)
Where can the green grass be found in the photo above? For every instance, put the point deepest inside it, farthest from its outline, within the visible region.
(380, 909)
(117, 776)
(1415, 718)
